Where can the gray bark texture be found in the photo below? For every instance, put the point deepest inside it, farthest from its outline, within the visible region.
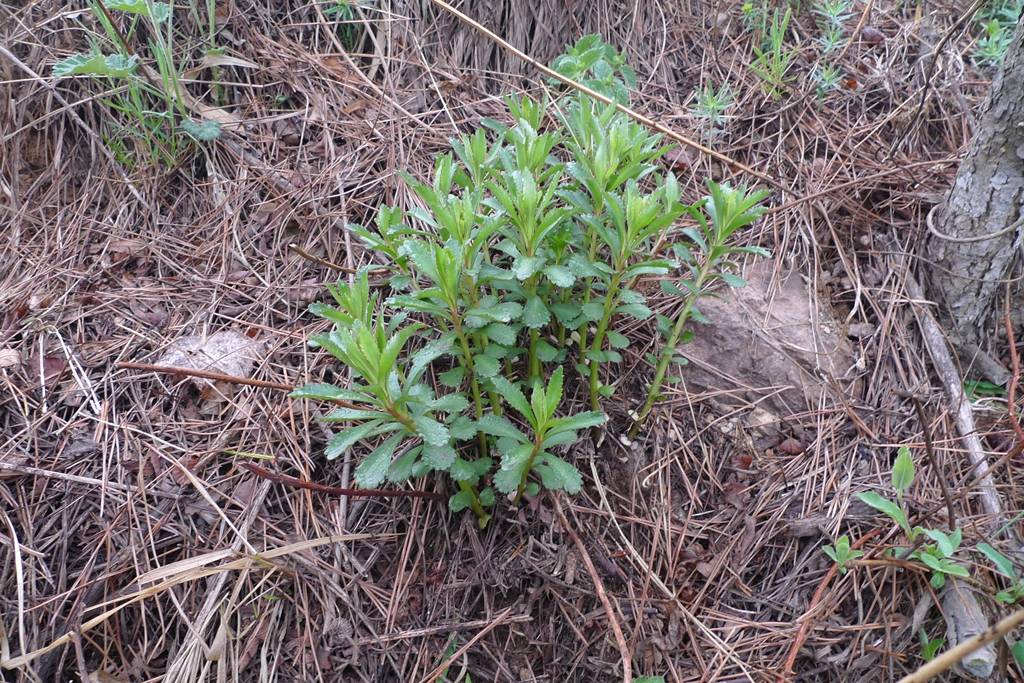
(976, 235)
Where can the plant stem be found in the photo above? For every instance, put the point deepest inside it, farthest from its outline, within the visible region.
(611, 298)
(474, 386)
(670, 348)
(529, 467)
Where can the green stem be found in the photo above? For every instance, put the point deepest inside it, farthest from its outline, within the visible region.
(474, 386)
(611, 298)
(670, 349)
(528, 469)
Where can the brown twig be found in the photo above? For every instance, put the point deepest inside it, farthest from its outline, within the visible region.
(338, 490)
(808, 618)
(217, 377)
(949, 659)
(627, 660)
(328, 264)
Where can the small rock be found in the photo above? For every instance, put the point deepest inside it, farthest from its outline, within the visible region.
(9, 358)
(860, 330)
(872, 36)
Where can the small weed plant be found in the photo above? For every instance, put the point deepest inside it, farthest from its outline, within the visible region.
(773, 59)
(997, 22)
(507, 290)
(158, 126)
(711, 105)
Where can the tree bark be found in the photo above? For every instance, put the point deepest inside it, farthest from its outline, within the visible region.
(975, 237)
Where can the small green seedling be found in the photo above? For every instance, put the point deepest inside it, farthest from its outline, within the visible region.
(1005, 566)
(711, 105)
(929, 646)
(841, 553)
(772, 62)
(937, 556)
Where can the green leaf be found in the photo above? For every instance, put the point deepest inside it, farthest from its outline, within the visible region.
(557, 474)
(428, 354)
(546, 352)
(96, 64)
(649, 679)
(346, 414)
(439, 457)
(407, 466)
(560, 276)
(553, 395)
(945, 544)
(496, 425)
(903, 470)
(156, 11)
(513, 468)
(535, 313)
(501, 333)
(617, 340)
(433, 432)
(453, 378)
(460, 501)
(526, 266)
(463, 428)
(733, 280)
(341, 442)
(486, 366)
(449, 403)
(1001, 562)
(1018, 652)
(575, 422)
(514, 396)
(638, 311)
(593, 311)
(203, 131)
(894, 512)
(373, 470)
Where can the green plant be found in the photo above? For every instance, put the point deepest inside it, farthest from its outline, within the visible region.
(772, 61)
(598, 66)
(711, 106)
(929, 646)
(343, 12)
(729, 210)
(1005, 566)
(523, 255)
(755, 16)
(831, 38)
(997, 21)
(155, 111)
(938, 555)
(833, 12)
(841, 553)
(826, 78)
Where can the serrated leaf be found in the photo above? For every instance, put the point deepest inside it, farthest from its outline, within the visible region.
(525, 267)
(558, 475)
(501, 333)
(592, 311)
(453, 378)
(497, 425)
(346, 414)
(487, 497)
(514, 396)
(427, 355)
(373, 470)
(566, 313)
(560, 276)
(460, 501)
(546, 352)
(575, 423)
(96, 64)
(407, 466)
(433, 432)
(733, 280)
(341, 442)
(617, 340)
(513, 468)
(535, 313)
(463, 428)
(327, 392)
(439, 457)
(449, 403)
(638, 311)
(486, 366)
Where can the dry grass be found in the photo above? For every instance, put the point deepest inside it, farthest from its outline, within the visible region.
(127, 522)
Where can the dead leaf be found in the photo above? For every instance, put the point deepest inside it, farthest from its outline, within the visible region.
(51, 367)
(227, 352)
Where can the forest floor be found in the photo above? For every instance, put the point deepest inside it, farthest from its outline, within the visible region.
(135, 544)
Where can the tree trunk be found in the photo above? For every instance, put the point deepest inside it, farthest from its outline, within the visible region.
(975, 237)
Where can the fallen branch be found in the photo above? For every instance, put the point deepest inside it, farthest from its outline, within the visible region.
(217, 377)
(338, 490)
(620, 639)
(948, 660)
